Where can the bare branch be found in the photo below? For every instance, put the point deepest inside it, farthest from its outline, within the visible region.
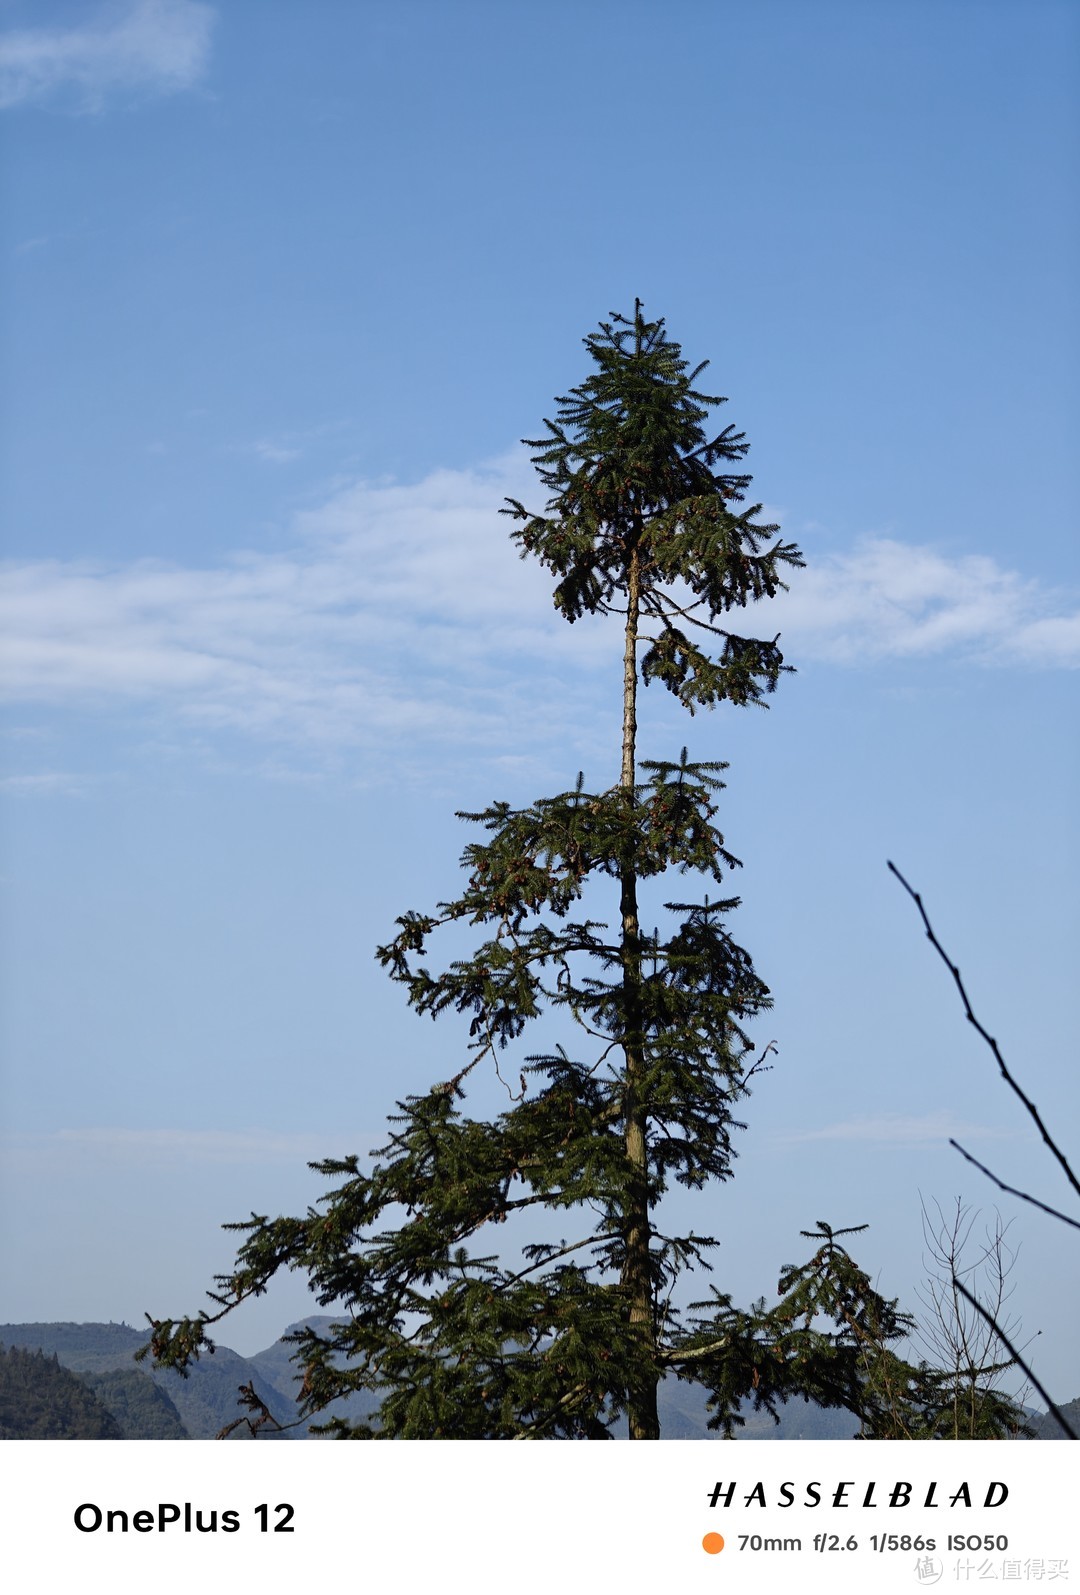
(548, 1257)
(1012, 1190)
(676, 1357)
(530, 1430)
(988, 1038)
(759, 1062)
(1019, 1361)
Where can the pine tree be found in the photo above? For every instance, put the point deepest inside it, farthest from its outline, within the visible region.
(456, 1334)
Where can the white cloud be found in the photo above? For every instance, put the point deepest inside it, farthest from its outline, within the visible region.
(393, 602)
(927, 1129)
(403, 614)
(46, 781)
(160, 46)
(887, 599)
(274, 453)
(157, 1146)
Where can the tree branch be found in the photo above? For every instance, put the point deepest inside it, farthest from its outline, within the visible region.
(1012, 1190)
(985, 1034)
(1019, 1361)
(529, 1432)
(673, 1357)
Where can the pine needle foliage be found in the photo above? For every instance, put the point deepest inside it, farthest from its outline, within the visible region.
(571, 1336)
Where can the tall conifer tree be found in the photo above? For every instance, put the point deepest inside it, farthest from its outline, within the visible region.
(454, 1331)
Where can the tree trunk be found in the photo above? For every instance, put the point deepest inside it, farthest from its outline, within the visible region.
(644, 1422)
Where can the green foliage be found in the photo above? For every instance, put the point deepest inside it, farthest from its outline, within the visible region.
(452, 1327)
(632, 468)
(835, 1341)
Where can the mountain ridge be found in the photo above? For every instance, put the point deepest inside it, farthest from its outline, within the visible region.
(156, 1403)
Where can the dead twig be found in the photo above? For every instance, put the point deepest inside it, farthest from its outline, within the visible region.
(1048, 1139)
(1019, 1361)
(1012, 1190)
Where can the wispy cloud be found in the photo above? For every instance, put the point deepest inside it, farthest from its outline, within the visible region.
(146, 46)
(392, 603)
(274, 453)
(47, 781)
(886, 599)
(156, 1146)
(927, 1129)
(402, 614)
(296, 443)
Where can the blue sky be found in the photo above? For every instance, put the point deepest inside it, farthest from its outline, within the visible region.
(284, 287)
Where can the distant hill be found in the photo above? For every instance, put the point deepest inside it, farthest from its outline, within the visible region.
(147, 1403)
(40, 1400)
(1047, 1427)
(140, 1407)
(87, 1348)
(204, 1403)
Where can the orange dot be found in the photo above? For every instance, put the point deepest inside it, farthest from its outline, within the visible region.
(713, 1543)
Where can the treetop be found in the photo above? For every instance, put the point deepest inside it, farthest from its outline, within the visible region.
(642, 513)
